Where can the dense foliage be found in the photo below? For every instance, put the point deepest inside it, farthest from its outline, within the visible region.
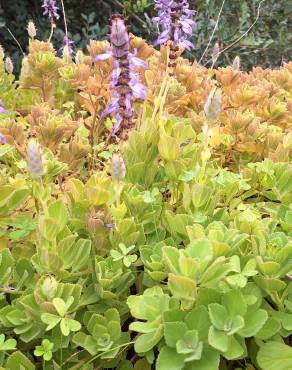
(267, 44)
(167, 248)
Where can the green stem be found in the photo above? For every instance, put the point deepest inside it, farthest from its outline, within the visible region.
(99, 355)
(52, 31)
(61, 352)
(44, 364)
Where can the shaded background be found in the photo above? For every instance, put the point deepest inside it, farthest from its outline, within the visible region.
(268, 44)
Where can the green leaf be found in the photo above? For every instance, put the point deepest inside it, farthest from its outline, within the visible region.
(18, 361)
(218, 315)
(198, 319)
(7, 345)
(146, 342)
(86, 341)
(58, 212)
(171, 257)
(235, 349)
(73, 325)
(50, 319)
(209, 361)
(168, 359)
(62, 307)
(253, 322)
(234, 303)
(182, 288)
(275, 356)
(174, 331)
(270, 328)
(218, 339)
(190, 346)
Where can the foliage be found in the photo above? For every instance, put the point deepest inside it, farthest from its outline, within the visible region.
(178, 260)
(267, 44)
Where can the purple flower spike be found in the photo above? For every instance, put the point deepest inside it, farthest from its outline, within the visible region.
(125, 83)
(2, 139)
(175, 17)
(50, 10)
(69, 43)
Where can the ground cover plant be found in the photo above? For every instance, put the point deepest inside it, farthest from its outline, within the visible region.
(145, 206)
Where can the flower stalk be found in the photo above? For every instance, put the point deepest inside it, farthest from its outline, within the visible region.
(175, 17)
(125, 84)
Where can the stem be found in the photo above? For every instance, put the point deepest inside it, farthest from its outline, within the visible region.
(213, 32)
(65, 23)
(101, 354)
(61, 351)
(162, 89)
(44, 364)
(52, 31)
(91, 133)
(206, 147)
(14, 38)
(243, 35)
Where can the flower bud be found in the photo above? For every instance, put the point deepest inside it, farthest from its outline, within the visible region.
(35, 162)
(9, 65)
(119, 36)
(79, 58)
(215, 52)
(49, 286)
(1, 52)
(212, 106)
(31, 30)
(118, 167)
(236, 63)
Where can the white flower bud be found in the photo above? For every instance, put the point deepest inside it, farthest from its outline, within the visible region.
(9, 65)
(215, 52)
(31, 30)
(1, 52)
(236, 63)
(212, 106)
(49, 286)
(35, 162)
(79, 58)
(118, 167)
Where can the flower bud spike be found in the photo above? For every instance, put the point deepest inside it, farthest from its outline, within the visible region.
(35, 161)
(9, 65)
(31, 29)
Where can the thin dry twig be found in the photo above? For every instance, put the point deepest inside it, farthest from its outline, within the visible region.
(15, 39)
(213, 32)
(65, 24)
(242, 36)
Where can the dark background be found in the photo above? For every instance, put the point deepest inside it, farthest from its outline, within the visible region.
(268, 44)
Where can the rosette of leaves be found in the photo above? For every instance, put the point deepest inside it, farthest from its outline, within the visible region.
(103, 334)
(273, 179)
(24, 315)
(147, 207)
(193, 268)
(186, 341)
(140, 156)
(149, 307)
(151, 256)
(114, 278)
(235, 317)
(40, 68)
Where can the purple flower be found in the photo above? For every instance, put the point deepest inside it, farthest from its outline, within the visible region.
(2, 139)
(50, 10)
(69, 43)
(175, 18)
(125, 83)
(2, 109)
